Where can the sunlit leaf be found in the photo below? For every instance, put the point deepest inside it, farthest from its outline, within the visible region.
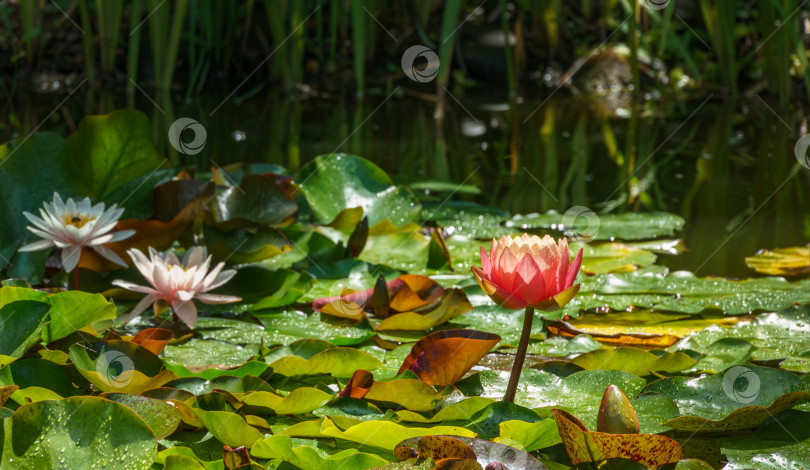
(443, 357)
(781, 261)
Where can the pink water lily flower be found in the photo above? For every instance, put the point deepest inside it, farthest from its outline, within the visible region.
(178, 284)
(72, 226)
(528, 271)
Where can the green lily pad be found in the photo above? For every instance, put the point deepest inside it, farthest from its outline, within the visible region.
(580, 393)
(108, 150)
(161, 417)
(73, 310)
(332, 183)
(229, 428)
(339, 362)
(221, 342)
(468, 219)
(73, 432)
(287, 326)
(229, 383)
(627, 226)
(306, 458)
(634, 361)
(532, 436)
(774, 335)
(299, 401)
(782, 442)
(257, 200)
(20, 326)
(741, 397)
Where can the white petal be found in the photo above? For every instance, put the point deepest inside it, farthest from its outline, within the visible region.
(37, 245)
(184, 295)
(122, 234)
(42, 234)
(70, 257)
(194, 256)
(217, 298)
(142, 263)
(100, 240)
(187, 312)
(221, 279)
(212, 276)
(110, 255)
(58, 205)
(84, 206)
(199, 276)
(70, 206)
(134, 287)
(140, 307)
(39, 223)
(171, 259)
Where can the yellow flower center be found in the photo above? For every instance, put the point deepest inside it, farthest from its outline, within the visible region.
(172, 266)
(77, 220)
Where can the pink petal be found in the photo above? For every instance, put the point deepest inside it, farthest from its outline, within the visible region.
(547, 261)
(562, 267)
(573, 270)
(506, 269)
(186, 311)
(486, 265)
(529, 283)
(134, 287)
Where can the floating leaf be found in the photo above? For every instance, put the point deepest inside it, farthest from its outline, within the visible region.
(358, 385)
(627, 226)
(741, 397)
(119, 366)
(634, 361)
(45, 435)
(229, 428)
(443, 357)
(781, 261)
(20, 325)
(339, 362)
(306, 458)
(161, 417)
(486, 453)
(153, 339)
(385, 434)
(331, 183)
(257, 200)
(299, 401)
(73, 310)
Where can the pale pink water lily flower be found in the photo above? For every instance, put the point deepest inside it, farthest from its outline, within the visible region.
(72, 226)
(178, 283)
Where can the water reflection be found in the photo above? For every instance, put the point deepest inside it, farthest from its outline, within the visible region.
(727, 166)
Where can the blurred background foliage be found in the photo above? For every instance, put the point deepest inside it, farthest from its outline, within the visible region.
(538, 105)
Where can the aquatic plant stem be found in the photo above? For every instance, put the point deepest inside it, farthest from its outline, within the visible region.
(76, 278)
(514, 377)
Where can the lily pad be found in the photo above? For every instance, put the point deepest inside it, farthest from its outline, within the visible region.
(161, 417)
(627, 226)
(306, 458)
(20, 326)
(634, 361)
(119, 366)
(71, 432)
(742, 397)
(332, 183)
(339, 362)
(781, 261)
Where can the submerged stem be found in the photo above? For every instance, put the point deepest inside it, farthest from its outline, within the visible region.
(514, 376)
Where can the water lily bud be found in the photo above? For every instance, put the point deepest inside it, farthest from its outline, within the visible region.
(358, 238)
(616, 414)
(380, 300)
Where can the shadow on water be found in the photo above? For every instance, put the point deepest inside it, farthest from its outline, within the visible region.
(726, 166)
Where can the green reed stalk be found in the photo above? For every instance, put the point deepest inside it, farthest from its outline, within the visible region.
(110, 15)
(87, 42)
(133, 50)
(359, 45)
(174, 43)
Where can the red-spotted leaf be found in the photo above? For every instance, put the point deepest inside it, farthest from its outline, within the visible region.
(583, 445)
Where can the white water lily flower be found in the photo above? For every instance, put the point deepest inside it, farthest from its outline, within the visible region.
(176, 283)
(72, 226)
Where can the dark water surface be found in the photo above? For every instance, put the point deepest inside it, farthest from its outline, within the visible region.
(726, 165)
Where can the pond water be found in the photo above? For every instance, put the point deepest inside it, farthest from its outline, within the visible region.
(726, 165)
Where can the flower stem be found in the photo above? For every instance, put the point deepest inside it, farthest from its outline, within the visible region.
(514, 377)
(76, 278)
